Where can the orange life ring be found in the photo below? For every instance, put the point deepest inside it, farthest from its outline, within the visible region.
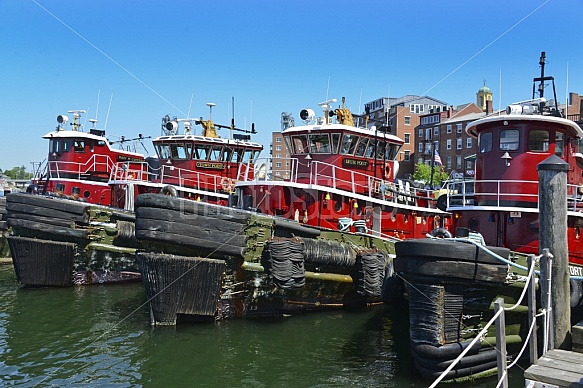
(388, 171)
(227, 184)
(131, 176)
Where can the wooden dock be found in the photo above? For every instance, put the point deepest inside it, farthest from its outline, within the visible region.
(561, 368)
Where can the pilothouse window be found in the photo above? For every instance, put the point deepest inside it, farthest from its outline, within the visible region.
(393, 151)
(319, 144)
(348, 144)
(79, 146)
(335, 142)
(485, 142)
(250, 155)
(560, 144)
(300, 144)
(509, 139)
(163, 151)
(362, 144)
(538, 140)
(201, 152)
(173, 151)
(216, 153)
(381, 148)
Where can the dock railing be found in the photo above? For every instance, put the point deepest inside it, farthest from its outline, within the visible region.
(499, 320)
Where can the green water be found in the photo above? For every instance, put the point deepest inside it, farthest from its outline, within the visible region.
(100, 335)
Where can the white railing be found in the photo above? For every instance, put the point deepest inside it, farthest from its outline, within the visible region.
(63, 169)
(349, 180)
(141, 172)
(499, 320)
(497, 193)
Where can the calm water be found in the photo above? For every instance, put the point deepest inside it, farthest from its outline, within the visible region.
(100, 335)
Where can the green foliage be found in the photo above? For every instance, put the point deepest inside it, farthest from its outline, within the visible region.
(18, 173)
(423, 173)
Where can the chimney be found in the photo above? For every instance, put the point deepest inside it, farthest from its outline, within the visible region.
(488, 106)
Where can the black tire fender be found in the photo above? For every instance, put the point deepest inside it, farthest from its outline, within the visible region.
(441, 233)
(442, 202)
(169, 190)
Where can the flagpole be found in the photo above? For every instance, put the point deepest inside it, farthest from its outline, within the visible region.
(432, 164)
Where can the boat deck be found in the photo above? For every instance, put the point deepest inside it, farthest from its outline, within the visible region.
(560, 368)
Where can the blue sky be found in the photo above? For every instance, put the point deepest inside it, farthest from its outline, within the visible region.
(132, 62)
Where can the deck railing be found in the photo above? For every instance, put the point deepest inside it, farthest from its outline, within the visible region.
(463, 195)
(76, 170)
(348, 180)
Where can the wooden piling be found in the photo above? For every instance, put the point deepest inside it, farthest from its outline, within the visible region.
(552, 173)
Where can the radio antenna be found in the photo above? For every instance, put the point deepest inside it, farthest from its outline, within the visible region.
(108, 109)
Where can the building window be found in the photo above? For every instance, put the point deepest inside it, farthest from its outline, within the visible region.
(459, 128)
(428, 134)
(278, 156)
(278, 164)
(416, 108)
(469, 142)
(448, 144)
(459, 143)
(420, 147)
(407, 156)
(278, 139)
(419, 160)
(407, 120)
(448, 128)
(421, 133)
(448, 163)
(458, 162)
(436, 131)
(277, 173)
(407, 138)
(278, 148)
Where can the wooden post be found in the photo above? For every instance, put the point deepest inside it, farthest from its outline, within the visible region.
(533, 346)
(501, 343)
(552, 176)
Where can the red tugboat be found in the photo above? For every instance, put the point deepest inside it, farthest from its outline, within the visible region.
(344, 177)
(453, 284)
(322, 239)
(80, 228)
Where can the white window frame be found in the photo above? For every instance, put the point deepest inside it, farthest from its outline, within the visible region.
(459, 128)
(448, 144)
(459, 143)
(469, 142)
(448, 128)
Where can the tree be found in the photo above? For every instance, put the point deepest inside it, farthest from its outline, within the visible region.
(423, 173)
(18, 173)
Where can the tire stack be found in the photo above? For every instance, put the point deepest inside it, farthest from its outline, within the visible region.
(435, 326)
(44, 240)
(4, 251)
(49, 218)
(438, 260)
(190, 227)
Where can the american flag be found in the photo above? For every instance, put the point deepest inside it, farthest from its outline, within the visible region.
(437, 159)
